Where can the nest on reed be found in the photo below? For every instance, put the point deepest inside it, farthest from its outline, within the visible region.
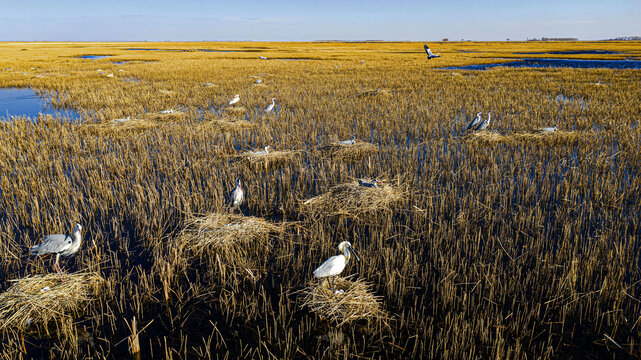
(36, 300)
(352, 199)
(355, 151)
(228, 237)
(536, 137)
(375, 92)
(120, 127)
(356, 301)
(236, 110)
(272, 157)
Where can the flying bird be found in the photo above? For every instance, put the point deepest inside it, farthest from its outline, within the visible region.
(335, 264)
(430, 55)
(235, 100)
(59, 244)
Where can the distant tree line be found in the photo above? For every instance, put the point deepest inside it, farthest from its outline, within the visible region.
(627, 38)
(553, 39)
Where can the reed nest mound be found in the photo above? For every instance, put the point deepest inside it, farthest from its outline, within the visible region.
(272, 157)
(356, 302)
(349, 152)
(536, 136)
(121, 126)
(166, 92)
(39, 299)
(227, 124)
(228, 236)
(176, 114)
(236, 110)
(375, 92)
(352, 199)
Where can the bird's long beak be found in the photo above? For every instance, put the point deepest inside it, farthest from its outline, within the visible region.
(355, 253)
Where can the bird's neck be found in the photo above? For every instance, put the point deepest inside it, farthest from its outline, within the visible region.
(347, 255)
(77, 237)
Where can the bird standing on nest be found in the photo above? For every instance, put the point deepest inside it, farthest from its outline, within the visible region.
(261, 152)
(237, 196)
(476, 121)
(335, 264)
(59, 244)
(485, 123)
(271, 106)
(235, 100)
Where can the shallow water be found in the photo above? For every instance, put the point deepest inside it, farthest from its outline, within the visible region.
(556, 63)
(25, 102)
(93, 57)
(572, 52)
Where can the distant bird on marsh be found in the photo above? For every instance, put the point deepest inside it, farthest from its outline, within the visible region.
(373, 184)
(430, 55)
(475, 121)
(336, 264)
(59, 244)
(170, 111)
(259, 81)
(546, 130)
(485, 123)
(235, 100)
(271, 106)
(237, 196)
(262, 58)
(261, 152)
(348, 142)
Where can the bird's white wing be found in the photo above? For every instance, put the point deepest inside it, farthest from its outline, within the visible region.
(53, 244)
(332, 266)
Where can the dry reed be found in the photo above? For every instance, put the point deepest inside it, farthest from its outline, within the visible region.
(352, 199)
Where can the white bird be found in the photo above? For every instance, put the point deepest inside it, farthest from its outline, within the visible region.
(99, 70)
(237, 196)
(430, 55)
(110, 75)
(476, 121)
(271, 106)
(373, 184)
(262, 152)
(335, 264)
(235, 100)
(123, 120)
(60, 245)
(170, 111)
(348, 142)
(549, 129)
(485, 123)
(262, 58)
(258, 81)
(207, 84)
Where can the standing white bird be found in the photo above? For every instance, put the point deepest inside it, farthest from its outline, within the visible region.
(373, 184)
(476, 121)
(235, 100)
(335, 264)
(271, 106)
(60, 245)
(237, 196)
(430, 55)
(485, 123)
(348, 142)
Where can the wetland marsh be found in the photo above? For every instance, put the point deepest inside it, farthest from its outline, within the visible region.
(504, 245)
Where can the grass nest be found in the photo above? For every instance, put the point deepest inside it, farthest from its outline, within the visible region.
(355, 151)
(375, 92)
(356, 302)
(236, 110)
(354, 200)
(270, 158)
(537, 137)
(121, 126)
(227, 124)
(230, 238)
(36, 300)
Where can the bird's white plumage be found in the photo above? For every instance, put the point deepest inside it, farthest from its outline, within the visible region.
(235, 100)
(59, 244)
(475, 121)
(348, 142)
(261, 152)
(335, 264)
(429, 52)
(170, 111)
(485, 123)
(237, 196)
(373, 184)
(271, 106)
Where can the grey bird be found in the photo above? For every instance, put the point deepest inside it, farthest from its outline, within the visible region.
(335, 264)
(549, 129)
(476, 121)
(348, 142)
(59, 244)
(485, 123)
(430, 55)
(258, 81)
(237, 196)
(373, 184)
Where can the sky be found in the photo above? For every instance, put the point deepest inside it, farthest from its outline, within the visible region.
(304, 20)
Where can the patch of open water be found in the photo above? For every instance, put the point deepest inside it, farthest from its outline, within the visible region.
(25, 102)
(555, 63)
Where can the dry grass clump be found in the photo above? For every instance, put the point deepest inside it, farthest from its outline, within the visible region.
(272, 157)
(227, 234)
(543, 138)
(355, 303)
(41, 298)
(227, 124)
(354, 200)
(120, 126)
(236, 110)
(349, 152)
(375, 92)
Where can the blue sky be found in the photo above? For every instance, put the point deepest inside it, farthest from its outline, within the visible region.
(190, 20)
